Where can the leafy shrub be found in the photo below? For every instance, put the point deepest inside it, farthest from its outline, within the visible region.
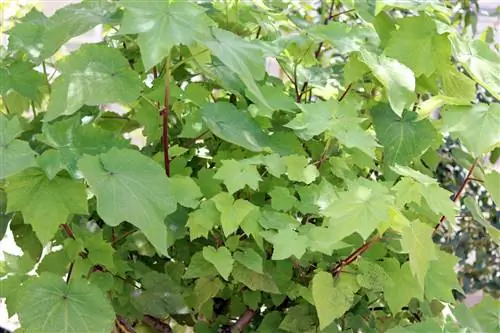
(306, 201)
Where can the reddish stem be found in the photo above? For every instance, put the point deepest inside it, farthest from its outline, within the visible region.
(157, 324)
(459, 192)
(243, 321)
(353, 256)
(68, 231)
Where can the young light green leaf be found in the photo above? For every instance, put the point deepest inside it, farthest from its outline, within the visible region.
(281, 199)
(404, 138)
(93, 75)
(15, 155)
(233, 216)
(48, 305)
(131, 187)
(44, 203)
(400, 276)
(460, 119)
(441, 278)
(235, 126)
(398, 79)
(332, 298)
(185, 190)
(162, 25)
(344, 38)
(433, 49)
(236, 175)
(202, 220)
(321, 239)
(299, 170)
(314, 119)
(221, 258)
(361, 209)
(40, 37)
(286, 243)
(417, 241)
(199, 267)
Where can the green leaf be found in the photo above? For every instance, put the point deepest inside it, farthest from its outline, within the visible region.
(254, 280)
(433, 50)
(244, 58)
(344, 38)
(429, 325)
(202, 220)
(93, 75)
(398, 79)
(299, 170)
(395, 296)
(40, 37)
(232, 217)
(456, 84)
(250, 259)
(99, 251)
(236, 175)
(460, 120)
(205, 289)
(44, 203)
(275, 98)
(185, 190)
(332, 298)
(442, 278)
(482, 318)
(417, 241)
(281, 199)
(15, 155)
(404, 138)
(321, 239)
(221, 258)
(480, 62)
(299, 318)
(234, 126)
(491, 181)
(131, 187)
(20, 77)
(199, 267)
(314, 119)
(163, 25)
(286, 243)
(371, 276)
(48, 305)
(478, 216)
(161, 296)
(361, 209)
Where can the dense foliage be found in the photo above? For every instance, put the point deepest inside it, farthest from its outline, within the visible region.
(304, 199)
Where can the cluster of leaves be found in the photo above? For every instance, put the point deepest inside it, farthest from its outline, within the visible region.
(302, 202)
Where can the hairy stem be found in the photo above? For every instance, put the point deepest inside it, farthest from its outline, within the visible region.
(460, 191)
(165, 112)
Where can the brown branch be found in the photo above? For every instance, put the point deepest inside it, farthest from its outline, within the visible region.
(122, 325)
(70, 270)
(68, 231)
(155, 73)
(459, 192)
(243, 321)
(157, 324)
(296, 84)
(165, 112)
(353, 256)
(303, 90)
(345, 92)
(122, 236)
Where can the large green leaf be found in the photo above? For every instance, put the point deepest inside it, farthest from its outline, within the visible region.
(441, 278)
(398, 80)
(483, 117)
(480, 61)
(221, 258)
(40, 37)
(433, 50)
(235, 126)
(492, 181)
(162, 25)
(44, 203)
(244, 58)
(332, 298)
(361, 209)
(93, 75)
(131, 187)
(417, 241)
(404, 138)
(21, 77)
(48, 305)
(15, 155)
(286, 243)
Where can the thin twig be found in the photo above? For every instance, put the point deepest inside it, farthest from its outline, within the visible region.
(70, 270)
(122, 236)
(155, 73)
(345, 92)
(68, 230)
(459, 192)
(243, 321)
(296, 83)
(353, 256)
(165, 117)
(341, 13)
(257, 35)
(44, 67)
